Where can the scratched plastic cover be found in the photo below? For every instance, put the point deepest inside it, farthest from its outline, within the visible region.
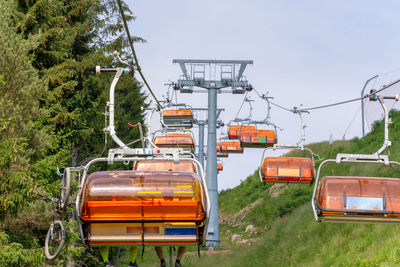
(143, 195)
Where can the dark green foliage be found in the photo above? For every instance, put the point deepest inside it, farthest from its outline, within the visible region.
(20, 138)
(51, 111)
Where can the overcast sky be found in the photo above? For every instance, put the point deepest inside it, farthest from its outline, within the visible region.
(308, 52)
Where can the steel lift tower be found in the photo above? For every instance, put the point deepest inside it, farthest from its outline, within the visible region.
(213, 75)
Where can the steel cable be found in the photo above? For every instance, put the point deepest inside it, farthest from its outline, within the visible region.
(336, 103)
(134, 53)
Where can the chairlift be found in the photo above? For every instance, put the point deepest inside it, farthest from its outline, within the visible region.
(230, 147)
(359, 199)
(131, 208)
(177, 118)
(234, 131)
(136, 207)
(220, 167)
(175, 140)
(248, 134)
(221, 154)
(288, 169)
(258, 138)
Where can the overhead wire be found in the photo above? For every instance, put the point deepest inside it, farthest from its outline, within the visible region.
(241, 106)
(279, 106)
(134, 53)
(333, 104)
(351, 122)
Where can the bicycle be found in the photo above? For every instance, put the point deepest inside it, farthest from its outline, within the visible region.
(56, 235)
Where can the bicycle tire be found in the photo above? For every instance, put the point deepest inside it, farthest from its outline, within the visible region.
(65, 188)
(50, 255)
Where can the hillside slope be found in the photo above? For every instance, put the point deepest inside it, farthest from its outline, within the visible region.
(285, 232)
(273, 225)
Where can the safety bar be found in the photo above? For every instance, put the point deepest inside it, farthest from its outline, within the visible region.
(386, 142)
(111, 103)
(199, 168)
(303, 126)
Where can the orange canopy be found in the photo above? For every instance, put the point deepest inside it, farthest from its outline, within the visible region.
(220, 167)
(174, 140)
(235, 131)
(143, 196)
(258, 138)
(230, 147)
(177, 113)
(285, 170)
(359, 196)
(185, 166)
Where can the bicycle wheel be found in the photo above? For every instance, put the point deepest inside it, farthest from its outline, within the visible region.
(55, 240)
(65, 188)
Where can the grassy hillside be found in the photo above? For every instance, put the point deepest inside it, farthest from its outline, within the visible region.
(287, 234)
(282, 229)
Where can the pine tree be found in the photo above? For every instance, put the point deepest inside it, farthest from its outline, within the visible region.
(76, 36)
(51, 105)
(20, 136)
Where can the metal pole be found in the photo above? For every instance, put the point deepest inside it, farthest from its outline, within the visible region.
(212, 238)
(201, 143)
(362, 104)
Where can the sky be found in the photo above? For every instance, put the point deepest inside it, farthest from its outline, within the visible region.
(308, 52)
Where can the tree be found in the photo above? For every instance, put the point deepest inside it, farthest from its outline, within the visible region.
(51, 105)
(20, 136)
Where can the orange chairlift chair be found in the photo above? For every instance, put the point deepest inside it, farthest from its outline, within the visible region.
(146, 206)
(220, 167)
(288, 169)
(221, 154)
(359, 199)
(175, 140)
(230, 147)
(131, 208)
(234, 131)
(177, 118)
(258, 138)
(249, 135)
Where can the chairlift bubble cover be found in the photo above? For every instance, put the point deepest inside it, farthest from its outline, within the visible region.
(220, 166)
(178, 118)
(221, 154)
(368, 199)
(230, 147)
(143, 196)
(235, 131)
(288, 170)
(174, 140)
(183, 166)
(258, 138)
